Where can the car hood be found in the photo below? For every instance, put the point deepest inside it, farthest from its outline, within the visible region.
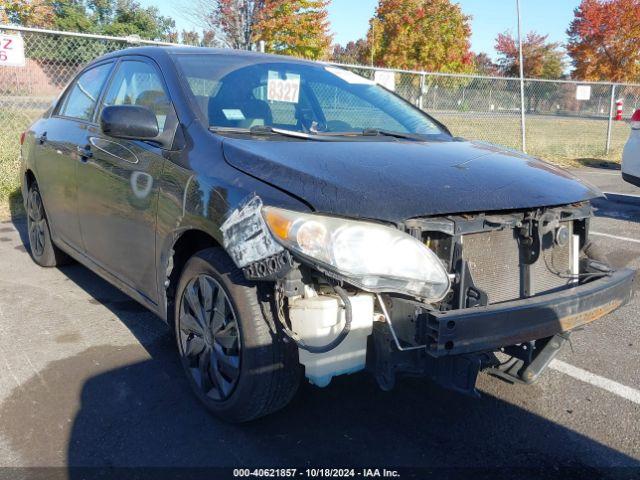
(397, 180)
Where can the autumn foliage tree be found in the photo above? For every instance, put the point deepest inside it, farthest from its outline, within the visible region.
(352, 52)
(542, 59)
(604, 40)
(430, 35)
(294, 27)
(30, 13)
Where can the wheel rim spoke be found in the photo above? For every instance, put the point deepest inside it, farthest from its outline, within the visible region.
(228, 363)
(189, 324)
(209, 337)
(194, 346)
(228, 336)
(219, 311)
(204, 368)
(191, 296)
(223, 385)
(206, 295)
(36, 223)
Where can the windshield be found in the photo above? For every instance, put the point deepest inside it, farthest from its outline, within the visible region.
(237, 92)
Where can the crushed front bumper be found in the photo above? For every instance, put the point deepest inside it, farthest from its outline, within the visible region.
(489, 328)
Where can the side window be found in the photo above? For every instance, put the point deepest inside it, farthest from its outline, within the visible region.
(138, 83)
(81, 100)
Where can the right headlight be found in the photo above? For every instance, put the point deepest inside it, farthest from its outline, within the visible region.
(371, 256)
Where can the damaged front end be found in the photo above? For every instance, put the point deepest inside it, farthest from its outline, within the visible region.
(442, 297)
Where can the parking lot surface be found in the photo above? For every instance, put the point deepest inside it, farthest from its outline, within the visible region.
(90, 378)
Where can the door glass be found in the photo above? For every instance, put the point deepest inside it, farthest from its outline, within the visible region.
(138, 83)
(81, 99)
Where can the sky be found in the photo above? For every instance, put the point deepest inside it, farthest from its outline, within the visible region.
(350, 18)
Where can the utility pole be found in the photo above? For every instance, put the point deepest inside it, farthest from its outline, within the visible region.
(373, 40)
(522, 119)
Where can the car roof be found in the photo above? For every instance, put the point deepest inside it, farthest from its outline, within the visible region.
(162, 52)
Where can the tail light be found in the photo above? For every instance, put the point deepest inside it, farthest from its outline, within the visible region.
(635, 120)
(22, 135)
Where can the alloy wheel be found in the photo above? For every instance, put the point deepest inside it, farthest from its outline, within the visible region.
(36, 222)
(209, 337)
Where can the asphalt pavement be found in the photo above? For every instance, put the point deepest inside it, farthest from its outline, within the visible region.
(90, 378)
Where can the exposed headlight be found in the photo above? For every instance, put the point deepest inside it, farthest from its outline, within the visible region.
(373, 257)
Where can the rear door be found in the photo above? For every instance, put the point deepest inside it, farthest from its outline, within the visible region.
(57, 152)
(118, 184)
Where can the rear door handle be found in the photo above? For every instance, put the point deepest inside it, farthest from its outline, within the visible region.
(84, 153)
(42, 138)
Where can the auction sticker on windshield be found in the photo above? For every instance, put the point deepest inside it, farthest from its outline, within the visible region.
(11, 51)
(283, 89)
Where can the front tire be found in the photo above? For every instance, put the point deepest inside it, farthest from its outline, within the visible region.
(41, 247)
(236, 363)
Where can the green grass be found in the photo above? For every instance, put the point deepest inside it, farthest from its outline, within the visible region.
(10, 197)
(564, 141)
(560, 140)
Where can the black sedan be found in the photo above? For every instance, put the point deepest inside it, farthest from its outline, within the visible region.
(291, 219)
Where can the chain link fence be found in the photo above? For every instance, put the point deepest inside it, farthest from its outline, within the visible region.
(51, 60)
(565, 120)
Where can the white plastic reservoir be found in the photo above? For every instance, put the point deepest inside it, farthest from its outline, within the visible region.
(318, 321)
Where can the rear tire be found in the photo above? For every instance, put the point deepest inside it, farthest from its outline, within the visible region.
(42, 249)
(236, 363)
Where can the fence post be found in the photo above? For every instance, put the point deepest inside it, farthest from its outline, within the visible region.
(420, 102)
(610, 123)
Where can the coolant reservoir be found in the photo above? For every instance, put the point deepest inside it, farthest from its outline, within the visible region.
(318, 321)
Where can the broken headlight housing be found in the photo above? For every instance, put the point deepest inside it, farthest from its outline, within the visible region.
(370, 256)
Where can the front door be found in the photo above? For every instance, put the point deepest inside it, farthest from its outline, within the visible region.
(118, 183)
(57, 155)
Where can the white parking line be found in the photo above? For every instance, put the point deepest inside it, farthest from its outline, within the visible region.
(580, 172)
(616, 237)
(616, 388)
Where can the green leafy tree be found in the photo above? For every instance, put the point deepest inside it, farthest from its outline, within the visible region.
(72, 15)
(129, 18)
(430, 35)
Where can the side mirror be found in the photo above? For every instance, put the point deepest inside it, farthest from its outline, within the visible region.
(129, 121)
(635, 120)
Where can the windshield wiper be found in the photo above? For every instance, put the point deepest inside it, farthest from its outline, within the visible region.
(374, 132)
(264, 130)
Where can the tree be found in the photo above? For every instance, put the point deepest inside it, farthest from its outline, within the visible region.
(72, 15)
(29, 13)
(191, 38)
(129, 18)
(228, 23)
(430, 35)
(352, 52)
(294, 27)
(604, 40)
(110, 17)
(485, 66)
(542, 59)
